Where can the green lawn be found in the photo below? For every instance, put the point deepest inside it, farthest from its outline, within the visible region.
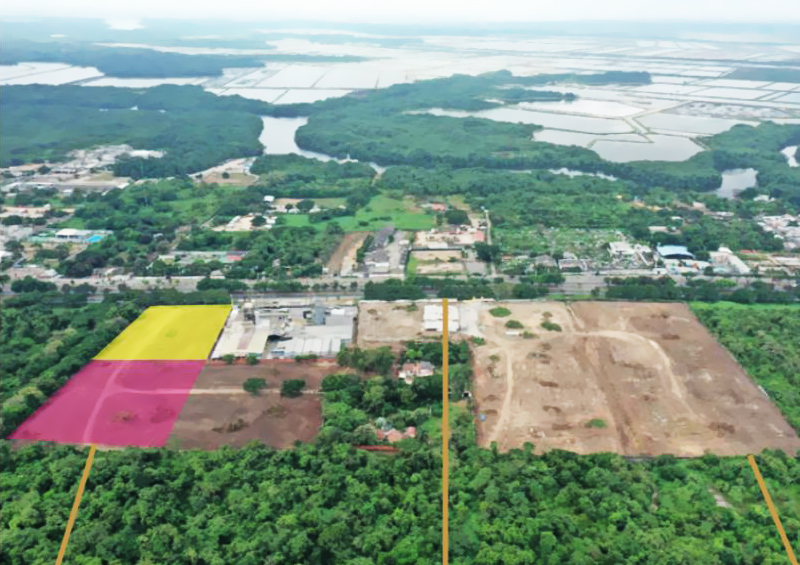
(433, 426)
(381, 211)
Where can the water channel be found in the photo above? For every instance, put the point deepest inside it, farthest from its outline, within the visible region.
(734, 181)
(278, 134)
(791, 155)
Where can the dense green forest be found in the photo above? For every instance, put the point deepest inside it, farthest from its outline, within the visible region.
(704, 290)
(129, 62)
(46, 336)
(195, 128)
(334, 504)
(766, 341)
(376, 126)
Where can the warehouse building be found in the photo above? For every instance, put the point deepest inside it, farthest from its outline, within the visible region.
(433, 317)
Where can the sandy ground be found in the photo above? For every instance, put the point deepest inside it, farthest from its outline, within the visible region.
(218, 413)
(433, 262)
(343, 260)
(652, 373)
(238, 169)
(390, 323)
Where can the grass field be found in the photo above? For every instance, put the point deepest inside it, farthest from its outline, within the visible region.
(169, 333)
(381, 211)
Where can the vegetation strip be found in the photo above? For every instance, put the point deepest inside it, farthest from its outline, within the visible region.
(772, 510)
(74, 512)
(445, 432)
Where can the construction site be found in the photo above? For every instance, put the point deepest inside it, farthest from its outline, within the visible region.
(285, 329)
(637, 379)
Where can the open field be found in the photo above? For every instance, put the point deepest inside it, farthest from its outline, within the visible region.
(115, 403)
(169, 332)
(219, 412)
(389, 323)
(437, 262)
(381, 211)
(632, 378)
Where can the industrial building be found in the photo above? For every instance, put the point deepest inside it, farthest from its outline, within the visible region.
(674, 252)
(725, 262)
(433, 318)
(285, 331)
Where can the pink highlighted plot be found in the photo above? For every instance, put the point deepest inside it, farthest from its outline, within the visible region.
(122, 403)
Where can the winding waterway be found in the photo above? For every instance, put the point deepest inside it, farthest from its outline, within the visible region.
(278, 138)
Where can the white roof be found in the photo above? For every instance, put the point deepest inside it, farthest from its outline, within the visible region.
(620, 247)
(68, 232)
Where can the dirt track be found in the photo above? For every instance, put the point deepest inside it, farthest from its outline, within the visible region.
(343, 260)
(652, 374)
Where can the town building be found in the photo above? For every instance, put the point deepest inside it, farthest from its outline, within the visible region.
(674, 252)
(410, 371)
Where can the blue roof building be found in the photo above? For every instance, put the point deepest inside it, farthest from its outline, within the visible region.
(674, 252)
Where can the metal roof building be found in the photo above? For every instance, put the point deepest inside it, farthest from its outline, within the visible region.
(674, 252)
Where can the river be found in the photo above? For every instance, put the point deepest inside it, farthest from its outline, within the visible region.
(734, 181)
(791, 155)
(278, 138)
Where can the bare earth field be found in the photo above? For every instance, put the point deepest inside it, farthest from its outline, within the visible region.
(344, 257)
(219, 412)
(650, 375)
(438, 262)
(390, 323)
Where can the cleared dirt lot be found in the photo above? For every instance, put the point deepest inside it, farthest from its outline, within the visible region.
(219, 412)
(633, 378)
(390, 323)
(439, 261)
(343, 260)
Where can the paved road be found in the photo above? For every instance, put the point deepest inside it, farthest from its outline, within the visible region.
(576, 283)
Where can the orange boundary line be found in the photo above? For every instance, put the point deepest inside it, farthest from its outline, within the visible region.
(445, 432)
(772, 510)
(74, 512)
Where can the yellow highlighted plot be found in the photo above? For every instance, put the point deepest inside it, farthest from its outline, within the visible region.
(169, 333)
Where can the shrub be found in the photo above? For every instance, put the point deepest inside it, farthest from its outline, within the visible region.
(478, 340)
(514, 324)
(551, 326)
(596, 423)
(528, 335)
(254, 386)
(228, 358)
(500, 312)
(306, 357)
(293, 387)
(252, 359)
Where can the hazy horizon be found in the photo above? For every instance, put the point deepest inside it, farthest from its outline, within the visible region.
(420, 12)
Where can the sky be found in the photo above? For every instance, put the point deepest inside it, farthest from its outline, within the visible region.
(411, 11)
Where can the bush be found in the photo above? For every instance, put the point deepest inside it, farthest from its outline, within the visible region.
(252, 359)
(254, 385)
(596, 423)
(499, 312)
(228, 358)
(514, 324)
(551, 326)
(528, 335)
(306, 357)
(478, 340)
(292, 388)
